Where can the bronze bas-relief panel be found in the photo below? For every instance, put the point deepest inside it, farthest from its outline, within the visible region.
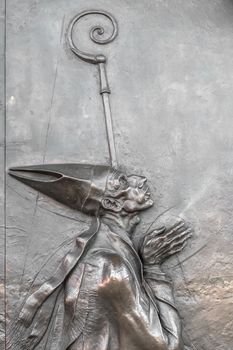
(103, 287)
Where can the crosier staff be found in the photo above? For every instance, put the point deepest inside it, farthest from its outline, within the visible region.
(100, 60)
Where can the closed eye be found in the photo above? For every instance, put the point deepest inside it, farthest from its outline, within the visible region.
(123, 182)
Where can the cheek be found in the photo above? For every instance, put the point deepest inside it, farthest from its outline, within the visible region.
(134, 195)
(129, 206)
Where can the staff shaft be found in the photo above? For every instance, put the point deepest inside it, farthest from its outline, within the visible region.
(100, 60)
(105, 92)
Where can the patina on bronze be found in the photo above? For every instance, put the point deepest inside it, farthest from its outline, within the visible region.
(104, 295)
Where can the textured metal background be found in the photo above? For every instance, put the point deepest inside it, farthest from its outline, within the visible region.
(170, 71)
(2, 174)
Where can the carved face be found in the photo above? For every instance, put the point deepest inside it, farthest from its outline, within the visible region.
(137, 196)
(129, 193)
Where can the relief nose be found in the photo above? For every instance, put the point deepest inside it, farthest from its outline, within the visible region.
(141, 182)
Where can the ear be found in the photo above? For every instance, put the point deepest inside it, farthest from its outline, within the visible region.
(112, 204)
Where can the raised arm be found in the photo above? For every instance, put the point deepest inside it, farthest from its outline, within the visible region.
(159, 245)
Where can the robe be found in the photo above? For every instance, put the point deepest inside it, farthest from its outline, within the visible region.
(99, 299)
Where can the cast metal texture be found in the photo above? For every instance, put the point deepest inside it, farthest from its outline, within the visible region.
(95, 35)
(171, 112)
(105, 293)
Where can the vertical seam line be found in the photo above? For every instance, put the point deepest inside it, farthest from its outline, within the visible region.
(4, 174)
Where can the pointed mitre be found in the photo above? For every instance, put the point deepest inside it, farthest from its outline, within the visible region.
(79, 186)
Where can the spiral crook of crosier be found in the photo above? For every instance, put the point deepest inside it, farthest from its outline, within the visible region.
(95, 35)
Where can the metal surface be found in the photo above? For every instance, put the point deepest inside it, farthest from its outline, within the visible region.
(103, 295)
(2, 179)
(101, 61)
(170, 73)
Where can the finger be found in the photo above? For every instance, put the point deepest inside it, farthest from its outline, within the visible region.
(179, 243)
(169, 250)
(160, 230)
(148, 242)
(156, 244)
(175, 250)
(157, 231)
(147, 239)
(181, 230)
(174, 232)
(157, 252)
(163, 246)
(166, 242)
(177, 223)
(178, 249)
(185, 234)
(176, 227)
(153, 235)
(172, 247)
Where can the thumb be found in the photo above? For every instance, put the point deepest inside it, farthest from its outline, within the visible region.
(158, 231)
